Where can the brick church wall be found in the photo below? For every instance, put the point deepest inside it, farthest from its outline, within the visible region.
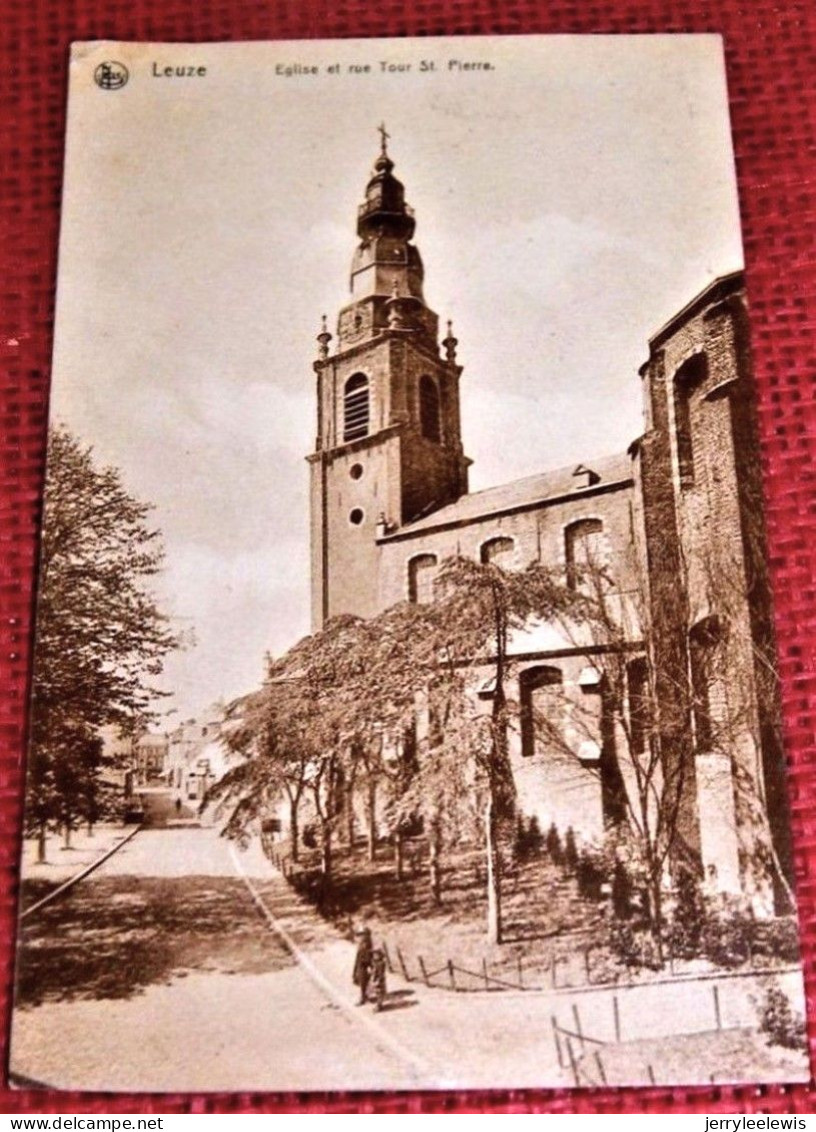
(704, 528)
(538, 532)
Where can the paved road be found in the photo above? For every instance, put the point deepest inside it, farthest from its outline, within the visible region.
(176, 982)
(159, 973)
(162, 809)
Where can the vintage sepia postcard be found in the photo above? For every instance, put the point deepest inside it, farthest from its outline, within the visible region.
(405, 708)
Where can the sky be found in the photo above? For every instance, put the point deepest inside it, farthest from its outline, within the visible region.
(570, 197)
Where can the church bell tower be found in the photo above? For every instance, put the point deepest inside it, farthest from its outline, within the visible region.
(388, 448)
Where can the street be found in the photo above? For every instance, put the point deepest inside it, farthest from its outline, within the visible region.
(159, 973)
(184, 963)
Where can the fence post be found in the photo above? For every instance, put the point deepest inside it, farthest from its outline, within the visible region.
(484, 972)
(651, 1075)
(553, 972)
(405, 974)
(717, 1014)
(616, 1011)
(578, 1029)
(451, 974)
(601, 1072)
(424, 972)
(586, 965)
(387, 955)
(557, 1042)
(520, 973)
(572, 1062)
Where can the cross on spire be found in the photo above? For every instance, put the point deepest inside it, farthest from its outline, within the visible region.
(384, 138)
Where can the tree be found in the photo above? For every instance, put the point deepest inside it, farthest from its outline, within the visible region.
(666, 694)
(101, 637)
(636, 708)
(408, 674)
(436, 777)
(275, 760)
(477, 609)
(356, 688)
(299, 735)
(318, 722)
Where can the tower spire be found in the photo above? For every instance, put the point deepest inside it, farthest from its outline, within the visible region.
(385, 225)
(388, 447)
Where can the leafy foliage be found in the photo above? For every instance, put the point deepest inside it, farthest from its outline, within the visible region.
(529, 838)
(340, 709)
(570, 851)
(101, 637)
(622, 891)
(688, 918)
(778, 939)
(726, 936)
(590, 874)
(779, 1022)
(554, 846)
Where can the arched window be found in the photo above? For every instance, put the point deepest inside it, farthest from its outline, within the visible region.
(421, 574)
(689, 377)
(707, 688)
(429, 409)
(498, 550)
(585, 555)
(356, 409)
(542, 708)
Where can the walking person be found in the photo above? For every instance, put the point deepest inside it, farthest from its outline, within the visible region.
(362, 964)
(377, 977)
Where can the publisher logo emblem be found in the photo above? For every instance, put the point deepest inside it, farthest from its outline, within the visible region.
(111, 75)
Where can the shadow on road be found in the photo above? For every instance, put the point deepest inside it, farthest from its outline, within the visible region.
(113, 936)
(398, 1000)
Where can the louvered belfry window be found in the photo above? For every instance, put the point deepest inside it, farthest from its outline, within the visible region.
(356, 408)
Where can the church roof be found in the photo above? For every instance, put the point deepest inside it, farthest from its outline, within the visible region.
(545, 487)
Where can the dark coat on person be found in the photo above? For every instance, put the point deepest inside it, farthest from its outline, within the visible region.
(362, 960)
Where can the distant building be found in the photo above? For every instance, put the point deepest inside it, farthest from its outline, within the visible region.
(151, 752)
(132, 760)
(196, 756)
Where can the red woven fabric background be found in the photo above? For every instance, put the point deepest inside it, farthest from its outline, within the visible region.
(771, 59)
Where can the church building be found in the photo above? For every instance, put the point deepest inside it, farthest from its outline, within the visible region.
(676, 521)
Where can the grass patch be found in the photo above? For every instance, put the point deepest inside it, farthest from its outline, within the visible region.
(718, 1057)
(546, 921)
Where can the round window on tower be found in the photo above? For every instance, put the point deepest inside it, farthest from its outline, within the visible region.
(356, 516)
(356, 471)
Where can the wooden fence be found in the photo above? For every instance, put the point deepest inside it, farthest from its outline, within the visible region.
(557, 974)
(452, 976)
(583, 1053)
